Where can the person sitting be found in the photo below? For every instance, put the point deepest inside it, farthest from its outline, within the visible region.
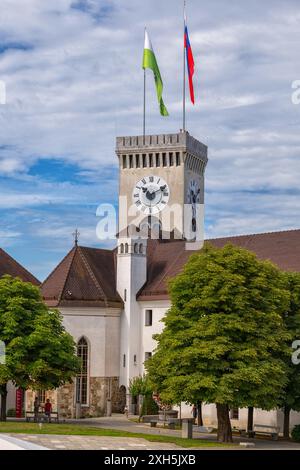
(48, 409)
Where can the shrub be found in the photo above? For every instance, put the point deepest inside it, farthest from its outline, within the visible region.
(296, 433)
(149, 406)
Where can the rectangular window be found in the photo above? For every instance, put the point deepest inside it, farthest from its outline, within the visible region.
(148, 318)
(144, 161)
(134, 360)
(150, 159)
(124, 360)
(130, 161)
(234, 413)
(124, 161)
(164, 159)
(157, 162)
(41, 396)
(148, 355)
(137, 161)
(171, 159)
(177, 159)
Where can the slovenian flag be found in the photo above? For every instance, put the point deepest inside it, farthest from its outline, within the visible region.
(190, 63)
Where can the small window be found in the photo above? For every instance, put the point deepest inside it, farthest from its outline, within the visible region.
(122, 248)
(164, 159)
(124, 161)
(124, 360)
(177, 159)
(134, 360)
(171, 159)
(137, 161)
(157, 162)
(130, 161)
(141, 250)
(125, 295)
(126, 247)
(144, 161)
(41, 394)
(136, 248)
(148, 318)
(234, 413)
(148, 355)
(150, 159)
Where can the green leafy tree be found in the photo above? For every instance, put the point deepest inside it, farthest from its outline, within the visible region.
(224, 334)
(39, 353)
(291, 398)
(141, 386)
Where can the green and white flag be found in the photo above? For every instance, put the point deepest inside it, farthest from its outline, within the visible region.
(149, 62)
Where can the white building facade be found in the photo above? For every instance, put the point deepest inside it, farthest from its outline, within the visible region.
(113, 302)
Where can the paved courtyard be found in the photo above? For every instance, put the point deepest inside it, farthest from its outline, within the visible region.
(91, 442)
(121, 423)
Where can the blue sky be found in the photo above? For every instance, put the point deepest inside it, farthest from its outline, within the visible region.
(74, 82)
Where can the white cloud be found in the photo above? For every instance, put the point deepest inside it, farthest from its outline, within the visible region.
(74, 81)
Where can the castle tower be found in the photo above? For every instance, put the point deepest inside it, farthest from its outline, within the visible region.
(161, 190)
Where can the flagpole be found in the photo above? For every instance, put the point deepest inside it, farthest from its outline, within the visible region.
(184, 79)
(144, 114)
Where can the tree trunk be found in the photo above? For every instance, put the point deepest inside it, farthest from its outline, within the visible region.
(199, 414)
(224, 425)
(286, 422)
(3, 393)
(250, 419)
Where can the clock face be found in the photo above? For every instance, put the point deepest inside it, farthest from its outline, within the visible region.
(193, 192)
(193, 197)
(151, 194)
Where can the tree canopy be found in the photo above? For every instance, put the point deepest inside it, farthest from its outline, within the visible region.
(39, 353)
(224, 339)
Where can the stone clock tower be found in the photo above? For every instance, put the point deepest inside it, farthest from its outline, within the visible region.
(162, 181)
(161, 195)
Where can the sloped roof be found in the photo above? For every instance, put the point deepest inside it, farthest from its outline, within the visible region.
(85, 277)
(10, 266)
(166, 259)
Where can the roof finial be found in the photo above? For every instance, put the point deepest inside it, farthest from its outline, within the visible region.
(76, 237)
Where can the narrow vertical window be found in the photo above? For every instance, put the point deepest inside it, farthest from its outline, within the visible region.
(124, 360)
(82, 377)
(148, 355)
(148, 317)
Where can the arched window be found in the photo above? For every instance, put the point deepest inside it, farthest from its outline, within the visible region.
(82, 377)
(136, 248)
(141, 248)
(126, 247)
(122, 248)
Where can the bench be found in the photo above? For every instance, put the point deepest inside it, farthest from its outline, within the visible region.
(171, 422)
(272, 431)
(263, 429)
(41, 417)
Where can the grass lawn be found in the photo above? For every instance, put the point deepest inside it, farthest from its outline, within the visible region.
(77, 430)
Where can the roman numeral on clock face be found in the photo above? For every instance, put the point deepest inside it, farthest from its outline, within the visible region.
(151, 179)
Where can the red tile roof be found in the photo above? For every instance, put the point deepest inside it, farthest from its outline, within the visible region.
(166, 259)
(85, 277)
(10, 266)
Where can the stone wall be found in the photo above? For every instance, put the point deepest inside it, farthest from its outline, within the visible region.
(31, 394)
(100, 389)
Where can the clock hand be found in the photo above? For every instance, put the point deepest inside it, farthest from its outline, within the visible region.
(144, 190)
